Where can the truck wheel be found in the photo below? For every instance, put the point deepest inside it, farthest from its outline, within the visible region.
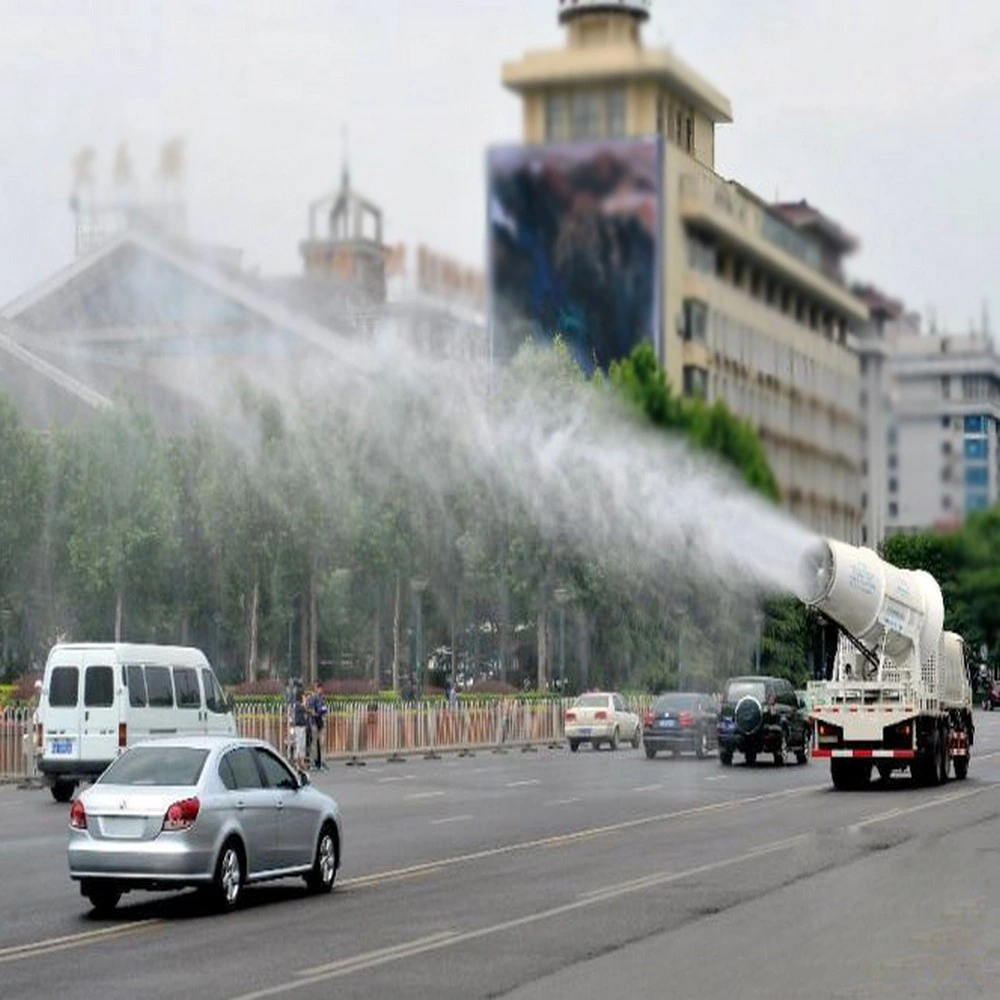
(850, 775)
(961, 768)
(944, 761)
(62, 790)
(802, 755)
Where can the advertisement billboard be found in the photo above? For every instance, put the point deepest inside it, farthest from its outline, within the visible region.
(574, 237)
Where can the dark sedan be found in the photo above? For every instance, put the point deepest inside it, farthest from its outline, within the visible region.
(679, 722)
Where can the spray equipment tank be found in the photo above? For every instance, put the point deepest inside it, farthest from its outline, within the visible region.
(896, 614)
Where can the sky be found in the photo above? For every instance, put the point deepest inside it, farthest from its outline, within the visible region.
(885, 114)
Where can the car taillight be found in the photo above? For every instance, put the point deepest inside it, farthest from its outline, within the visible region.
(77, 815)
(647, 719)
(601, 714)
(571, 716)
(122, 734)
(181, 814)
(685, 719)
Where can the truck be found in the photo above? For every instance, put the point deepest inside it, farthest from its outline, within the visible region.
(899, 694)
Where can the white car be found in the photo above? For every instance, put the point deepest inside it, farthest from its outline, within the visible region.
(601, 717)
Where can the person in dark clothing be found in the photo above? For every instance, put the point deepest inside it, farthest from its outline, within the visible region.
(317, 715)
(300, 722)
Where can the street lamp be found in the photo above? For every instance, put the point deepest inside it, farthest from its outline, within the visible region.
(418, 584)
(562, 595)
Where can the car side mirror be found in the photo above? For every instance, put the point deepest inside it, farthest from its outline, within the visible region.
(303, 779)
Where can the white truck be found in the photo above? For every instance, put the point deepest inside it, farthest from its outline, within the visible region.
(899, 695)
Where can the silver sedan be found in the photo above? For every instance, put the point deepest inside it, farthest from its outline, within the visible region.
(212, 811)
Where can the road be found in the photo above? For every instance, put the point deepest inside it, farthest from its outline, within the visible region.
(546, 875)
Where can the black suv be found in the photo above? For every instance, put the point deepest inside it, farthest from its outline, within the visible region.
(762, 715)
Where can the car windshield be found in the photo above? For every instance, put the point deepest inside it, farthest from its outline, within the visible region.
(592, 701)
(676, 703)
(156, 766)
(740, 689)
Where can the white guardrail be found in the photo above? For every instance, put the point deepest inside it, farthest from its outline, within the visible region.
(356, 728)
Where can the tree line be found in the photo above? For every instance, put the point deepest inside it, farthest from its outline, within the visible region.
(271, 551)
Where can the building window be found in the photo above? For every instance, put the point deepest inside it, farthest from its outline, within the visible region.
(893, 485)
(695, 320)
(975, 425)
(616, 112)
(892, 437)
(976, 447)
(946, 502)
(977, 475)
(556, 118)
(893, 509)
(689, 135)
(946, 474)
(701, 254)
(678, 127)
(695, 381)
(946, 387)
(893, 461)
(976, 501)
(946, 422)
(586, 115)
(945, 447)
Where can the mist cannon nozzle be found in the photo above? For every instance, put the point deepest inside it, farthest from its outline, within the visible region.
(815, 573)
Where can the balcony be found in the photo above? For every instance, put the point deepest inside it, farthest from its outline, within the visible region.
(736, 218)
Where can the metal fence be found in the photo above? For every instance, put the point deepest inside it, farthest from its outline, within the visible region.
(357, 728)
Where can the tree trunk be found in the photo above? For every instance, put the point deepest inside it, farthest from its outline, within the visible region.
(185, 628)
(504, 595)
(303, 635)
(251, 674)
(542, 628)
(313, 629)
(377, 639)
(395, 635)
(119, 611)
(583, 648)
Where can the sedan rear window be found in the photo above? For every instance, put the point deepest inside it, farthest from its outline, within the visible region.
(676, 703)
(592, 701)
(156, 766)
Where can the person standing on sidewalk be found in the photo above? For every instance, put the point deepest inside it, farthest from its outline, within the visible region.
(300, 723)
(317, 713)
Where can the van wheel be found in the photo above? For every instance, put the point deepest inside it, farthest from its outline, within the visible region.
(62, 790)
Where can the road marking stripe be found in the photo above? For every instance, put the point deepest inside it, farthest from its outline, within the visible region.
(564, 802)
(447, 939)
(421, 795)
(452, 819)
(940, 800)
(518, 784)
(647, 788)
(565, 838)
(17, 952)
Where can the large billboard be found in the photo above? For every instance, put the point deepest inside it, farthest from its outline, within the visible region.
(574, 238)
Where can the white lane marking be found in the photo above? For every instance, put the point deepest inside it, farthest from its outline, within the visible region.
(32, 949)
(940, 800)
(397, 777)
(646, 788)
(480, 770)
(564, 802)
(421, 795)
(717, 777)
(519, 784)
(567, 838)
(447, 939)
(452, 819)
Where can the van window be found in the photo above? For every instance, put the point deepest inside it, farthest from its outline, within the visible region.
(214, 699)
(159, 688)
(186, 686)
(63, 686)
(136, 686)
(99, 687)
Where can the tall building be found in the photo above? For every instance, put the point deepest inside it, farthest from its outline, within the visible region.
(753, 309)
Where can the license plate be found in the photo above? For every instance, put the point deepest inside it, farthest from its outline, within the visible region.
(585, 731)
(667, 723)
(60, 747)
(123, 827)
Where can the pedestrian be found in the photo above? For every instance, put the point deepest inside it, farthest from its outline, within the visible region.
(300, 722)
(317, 714)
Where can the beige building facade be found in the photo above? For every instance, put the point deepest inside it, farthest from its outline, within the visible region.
(754, 308)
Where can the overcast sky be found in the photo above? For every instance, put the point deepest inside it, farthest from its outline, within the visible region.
(883, 113)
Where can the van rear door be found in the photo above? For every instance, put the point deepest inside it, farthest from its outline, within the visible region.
(62, 709)
(99, 738)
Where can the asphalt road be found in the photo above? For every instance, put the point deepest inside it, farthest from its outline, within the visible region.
(549, 875)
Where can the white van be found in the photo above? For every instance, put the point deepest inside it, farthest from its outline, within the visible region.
(98, 698)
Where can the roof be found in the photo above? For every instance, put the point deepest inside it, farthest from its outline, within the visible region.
(802, 215)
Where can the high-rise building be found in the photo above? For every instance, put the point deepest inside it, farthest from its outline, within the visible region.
(753, 309)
